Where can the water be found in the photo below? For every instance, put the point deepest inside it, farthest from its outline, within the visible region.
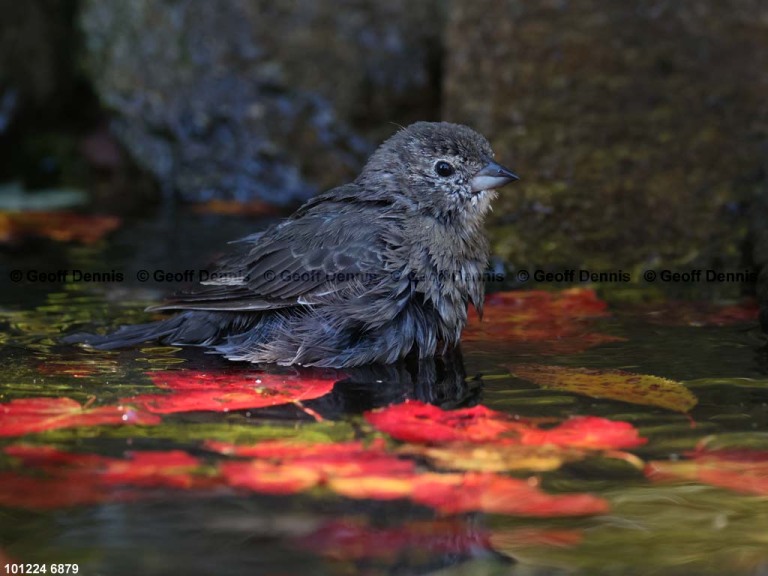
(682, 527)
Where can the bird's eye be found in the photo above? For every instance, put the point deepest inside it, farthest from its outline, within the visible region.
(444, 169)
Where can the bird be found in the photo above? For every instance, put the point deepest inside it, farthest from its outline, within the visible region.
(370, 272)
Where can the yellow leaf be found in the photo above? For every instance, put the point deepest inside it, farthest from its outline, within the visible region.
(610, 384)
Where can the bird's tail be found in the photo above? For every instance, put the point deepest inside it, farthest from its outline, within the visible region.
(128, 335)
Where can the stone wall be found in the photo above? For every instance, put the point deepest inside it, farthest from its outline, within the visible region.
(637, 128)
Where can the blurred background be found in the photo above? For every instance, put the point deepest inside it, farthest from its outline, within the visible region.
(640, 129)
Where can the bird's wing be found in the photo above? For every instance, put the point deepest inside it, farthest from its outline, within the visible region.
(306, 260)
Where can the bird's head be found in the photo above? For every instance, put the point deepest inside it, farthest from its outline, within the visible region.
(446, 170)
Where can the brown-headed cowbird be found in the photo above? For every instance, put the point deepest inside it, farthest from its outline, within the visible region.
(368, 272)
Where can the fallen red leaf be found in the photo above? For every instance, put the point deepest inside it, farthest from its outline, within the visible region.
(191, 390)
(547, 322)
(414, 421)
(586, 432)
(30, 415)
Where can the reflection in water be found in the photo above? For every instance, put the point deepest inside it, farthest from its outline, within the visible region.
(440, 381)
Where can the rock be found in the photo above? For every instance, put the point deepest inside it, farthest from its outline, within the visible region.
(635, 126)
(239, 99)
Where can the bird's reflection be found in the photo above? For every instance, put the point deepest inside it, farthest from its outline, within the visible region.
(440, 381)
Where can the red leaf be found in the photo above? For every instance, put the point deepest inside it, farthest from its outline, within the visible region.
(30, 415)
(414, 421)
(545, 322)
(587, 432)
(231, 390)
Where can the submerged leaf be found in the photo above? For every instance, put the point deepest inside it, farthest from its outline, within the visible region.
(191, 390)
(611, 384)
(30, 415)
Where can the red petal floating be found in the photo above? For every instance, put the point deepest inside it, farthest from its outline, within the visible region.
(194, 391)
(30, 415)
(548, 322)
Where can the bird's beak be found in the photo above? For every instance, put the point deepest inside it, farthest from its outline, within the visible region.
(492, 176)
